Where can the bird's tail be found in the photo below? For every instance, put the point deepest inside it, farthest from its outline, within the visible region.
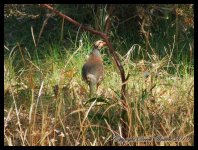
(92, 87)
(92, 84)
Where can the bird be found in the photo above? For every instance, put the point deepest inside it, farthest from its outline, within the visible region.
(93, 69)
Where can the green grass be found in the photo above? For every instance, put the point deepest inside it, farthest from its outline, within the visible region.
(36, 113)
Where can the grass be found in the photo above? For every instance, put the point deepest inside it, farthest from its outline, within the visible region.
(47, 103)
(35, 116)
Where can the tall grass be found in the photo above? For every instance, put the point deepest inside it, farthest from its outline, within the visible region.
(47, 103)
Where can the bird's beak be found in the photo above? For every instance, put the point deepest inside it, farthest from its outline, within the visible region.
(104, 43)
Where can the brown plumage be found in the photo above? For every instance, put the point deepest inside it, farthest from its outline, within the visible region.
(93, 69)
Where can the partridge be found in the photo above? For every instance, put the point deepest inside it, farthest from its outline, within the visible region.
(93, 69)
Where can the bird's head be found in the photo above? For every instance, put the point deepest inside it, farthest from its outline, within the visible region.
(99, 44)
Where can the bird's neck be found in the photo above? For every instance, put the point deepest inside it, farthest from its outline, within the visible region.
(96, 52)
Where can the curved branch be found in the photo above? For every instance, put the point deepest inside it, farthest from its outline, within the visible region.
(72, 20)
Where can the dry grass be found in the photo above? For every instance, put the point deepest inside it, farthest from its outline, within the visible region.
(50, 105)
